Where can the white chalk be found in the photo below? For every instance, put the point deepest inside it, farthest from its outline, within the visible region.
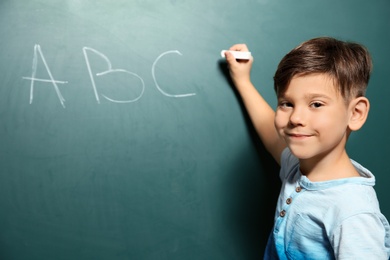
(239, 55)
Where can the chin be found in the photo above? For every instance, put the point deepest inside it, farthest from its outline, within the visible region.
(302, 153)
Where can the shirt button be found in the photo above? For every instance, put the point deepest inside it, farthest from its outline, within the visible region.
(298, 189)
(282, 213)
(288, 201)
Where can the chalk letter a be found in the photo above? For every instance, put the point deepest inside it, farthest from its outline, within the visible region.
(37, 49)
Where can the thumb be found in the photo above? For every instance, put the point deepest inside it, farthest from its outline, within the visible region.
(230, 57)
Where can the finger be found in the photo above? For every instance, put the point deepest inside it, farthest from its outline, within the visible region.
(239, 47)
(230, 57)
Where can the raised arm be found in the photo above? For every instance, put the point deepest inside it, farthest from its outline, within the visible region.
(261, 114)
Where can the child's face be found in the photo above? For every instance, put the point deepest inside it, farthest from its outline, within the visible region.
(312, 117)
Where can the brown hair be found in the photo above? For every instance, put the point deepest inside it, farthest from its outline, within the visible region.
(348, 64)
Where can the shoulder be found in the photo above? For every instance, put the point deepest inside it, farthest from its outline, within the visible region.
(352, 198)
(354, 222)
(289, 164)
(355, 225)
(357, 194)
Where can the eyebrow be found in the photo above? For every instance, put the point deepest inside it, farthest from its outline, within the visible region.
(308, 96)
(316, 95)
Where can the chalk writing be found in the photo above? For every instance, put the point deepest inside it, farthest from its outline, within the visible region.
(155, 81)
(109, 70)
(37, 49)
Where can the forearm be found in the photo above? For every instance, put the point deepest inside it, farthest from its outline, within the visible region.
(262, 117)
(261, 114)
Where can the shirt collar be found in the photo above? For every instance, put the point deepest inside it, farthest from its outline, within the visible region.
(366, 178)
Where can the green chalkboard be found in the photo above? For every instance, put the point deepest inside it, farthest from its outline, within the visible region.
(121, 136)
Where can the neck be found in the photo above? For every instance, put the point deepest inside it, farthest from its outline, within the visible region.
(328, 167)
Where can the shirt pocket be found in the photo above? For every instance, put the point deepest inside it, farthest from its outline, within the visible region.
(307, 239)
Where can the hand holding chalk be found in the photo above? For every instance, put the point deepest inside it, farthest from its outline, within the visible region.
(239, 55)
(239, 63)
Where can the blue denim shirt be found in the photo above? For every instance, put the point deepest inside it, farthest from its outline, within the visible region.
(337, 219)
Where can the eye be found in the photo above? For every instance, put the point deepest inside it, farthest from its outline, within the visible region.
(285, 104)
(316, 104)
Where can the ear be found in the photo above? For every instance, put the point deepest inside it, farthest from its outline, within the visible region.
(359, 108)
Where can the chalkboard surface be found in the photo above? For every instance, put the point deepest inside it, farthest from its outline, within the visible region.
(121, 136)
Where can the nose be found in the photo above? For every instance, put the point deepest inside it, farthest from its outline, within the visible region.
(297, 117)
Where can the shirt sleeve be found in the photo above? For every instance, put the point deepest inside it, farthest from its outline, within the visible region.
(362, 236)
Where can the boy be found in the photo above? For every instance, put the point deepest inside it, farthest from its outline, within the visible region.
(327, 207)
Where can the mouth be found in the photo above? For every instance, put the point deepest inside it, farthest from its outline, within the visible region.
(297, 136)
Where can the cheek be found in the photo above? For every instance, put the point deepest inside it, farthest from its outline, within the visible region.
(279, 121)
(333, 117)
(330, 124)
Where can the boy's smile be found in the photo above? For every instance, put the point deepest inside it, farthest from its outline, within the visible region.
(312, 117)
